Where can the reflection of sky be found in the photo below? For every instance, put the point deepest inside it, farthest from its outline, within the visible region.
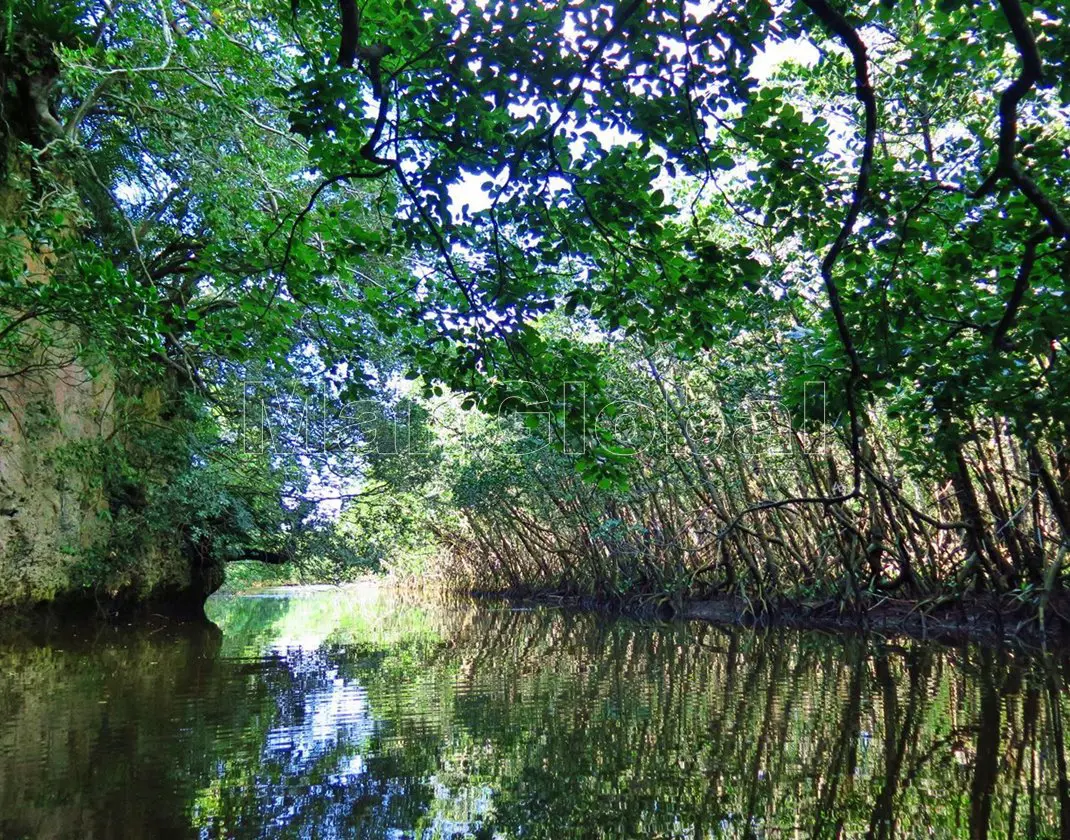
(318, 760)
(339, 713)
(338, 710)
(318, 746)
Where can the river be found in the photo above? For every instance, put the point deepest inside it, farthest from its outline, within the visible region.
(355, 712)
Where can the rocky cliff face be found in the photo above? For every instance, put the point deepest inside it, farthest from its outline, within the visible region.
(59, 428)
(69, 531)
(56, 531)
(50, 511)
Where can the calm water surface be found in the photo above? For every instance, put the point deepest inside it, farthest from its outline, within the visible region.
(347, 713)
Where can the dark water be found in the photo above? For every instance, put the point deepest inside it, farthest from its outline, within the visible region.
(348, 714)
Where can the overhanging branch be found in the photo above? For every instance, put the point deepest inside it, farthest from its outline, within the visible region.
(864, 93)
(839, 25)
(1007, 164)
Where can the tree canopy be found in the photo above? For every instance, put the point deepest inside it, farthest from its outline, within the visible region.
(496, 199)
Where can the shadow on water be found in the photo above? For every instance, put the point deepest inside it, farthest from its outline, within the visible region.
(349, 714)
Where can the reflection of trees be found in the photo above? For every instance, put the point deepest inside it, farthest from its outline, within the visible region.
(619, 731)
(79, 753)
(478, 721)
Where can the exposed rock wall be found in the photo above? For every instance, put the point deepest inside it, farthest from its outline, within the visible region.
(59, 425)
(50, 511)
(55, 527)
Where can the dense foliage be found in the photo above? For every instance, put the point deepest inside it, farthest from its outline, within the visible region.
(690, 209)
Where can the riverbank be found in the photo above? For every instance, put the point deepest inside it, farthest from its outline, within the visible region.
(976, 619)
(987, 620)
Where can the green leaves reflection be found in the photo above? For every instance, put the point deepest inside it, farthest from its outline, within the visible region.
(352, 713)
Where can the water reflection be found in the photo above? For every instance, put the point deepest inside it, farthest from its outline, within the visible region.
(348, 714)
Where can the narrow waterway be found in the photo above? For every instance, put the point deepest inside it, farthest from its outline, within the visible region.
(350, 713)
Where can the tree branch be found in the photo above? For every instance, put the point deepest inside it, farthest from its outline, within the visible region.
(864, 93)
(1021, 285)
(1006, 163)
(839, 25)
